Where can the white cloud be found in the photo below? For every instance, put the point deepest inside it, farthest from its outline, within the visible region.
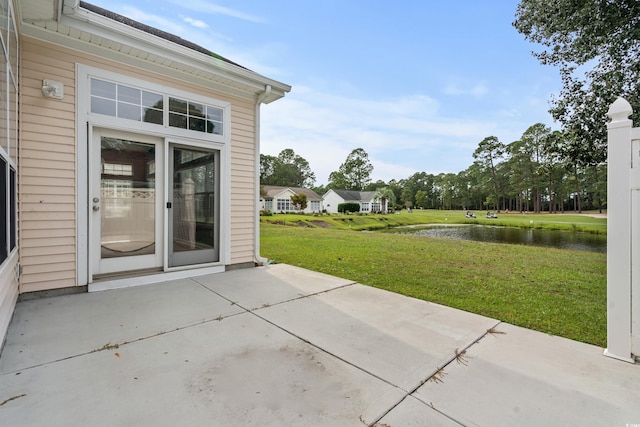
(198, 32)
(195, 22)
(476, 90)
(208, 7)
(388, 171)
(401, 135)
(154, 20)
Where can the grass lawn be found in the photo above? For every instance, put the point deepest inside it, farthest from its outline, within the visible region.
(555, 291)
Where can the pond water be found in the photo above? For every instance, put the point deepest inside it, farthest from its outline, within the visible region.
(524, 236)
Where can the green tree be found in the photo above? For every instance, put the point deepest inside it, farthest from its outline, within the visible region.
(320, 189)
(299, 201)
(488, 154)
(385, 195)
(533, 141)
(521, 172)
(267, 167)
(552, 167)
(337, 181)
(373, 185)
(472, 176)
(288, 170)
(396, 188)
(354, 173)
(422, 199)
(448, 184)
(573, 154)
(407, 194)
(595, 45)
(464, 185)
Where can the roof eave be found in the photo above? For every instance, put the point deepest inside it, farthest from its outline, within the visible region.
(87, 31)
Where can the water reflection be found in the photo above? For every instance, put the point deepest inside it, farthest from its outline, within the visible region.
(524, 236)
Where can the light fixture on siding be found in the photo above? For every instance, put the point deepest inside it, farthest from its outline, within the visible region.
(52, 89)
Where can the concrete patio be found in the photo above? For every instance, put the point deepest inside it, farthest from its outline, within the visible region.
(283, 346)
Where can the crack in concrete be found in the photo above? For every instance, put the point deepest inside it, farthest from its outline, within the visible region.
(438, 374)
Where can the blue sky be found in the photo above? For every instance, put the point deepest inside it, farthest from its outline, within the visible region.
(417, 84)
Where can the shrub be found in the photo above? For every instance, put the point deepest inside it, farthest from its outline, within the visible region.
(265, 212)
(349, 207)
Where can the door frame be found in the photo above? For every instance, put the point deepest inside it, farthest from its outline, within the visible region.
(164, 144)
(86, 121)
(170, 148)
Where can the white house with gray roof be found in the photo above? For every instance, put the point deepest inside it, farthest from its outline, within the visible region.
(366, 200)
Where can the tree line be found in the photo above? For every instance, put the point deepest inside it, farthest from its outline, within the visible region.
(539, 172)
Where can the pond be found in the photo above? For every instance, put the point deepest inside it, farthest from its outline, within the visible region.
(524, 236)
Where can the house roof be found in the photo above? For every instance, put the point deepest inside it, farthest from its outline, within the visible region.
(154, 31)
(273, 190)
(360, 196)
(88, 28)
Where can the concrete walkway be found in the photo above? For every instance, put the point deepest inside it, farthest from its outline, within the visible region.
(283, 346)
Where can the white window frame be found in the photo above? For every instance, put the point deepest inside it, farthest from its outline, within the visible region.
(10, 86)
(286, 203)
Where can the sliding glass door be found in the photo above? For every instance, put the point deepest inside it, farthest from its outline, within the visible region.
(134, 223)
(193, 206)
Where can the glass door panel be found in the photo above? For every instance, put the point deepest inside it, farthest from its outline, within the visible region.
(127, 187)
(193, 207)
(125, 202)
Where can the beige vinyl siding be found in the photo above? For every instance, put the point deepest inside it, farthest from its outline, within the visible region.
(243, 191)
(48, 171)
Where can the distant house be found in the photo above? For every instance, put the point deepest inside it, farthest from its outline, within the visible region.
(278, 199)
(128, 155)
(366, 200)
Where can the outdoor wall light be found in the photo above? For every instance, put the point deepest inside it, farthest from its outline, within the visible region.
(52, 89)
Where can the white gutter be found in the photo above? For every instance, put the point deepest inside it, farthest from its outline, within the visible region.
(264, 95)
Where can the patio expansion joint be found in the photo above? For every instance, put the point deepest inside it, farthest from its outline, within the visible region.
(114, 346)
(438, 375)
(250, 310)
(326, 291)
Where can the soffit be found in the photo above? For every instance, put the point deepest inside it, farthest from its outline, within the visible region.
(96, 34)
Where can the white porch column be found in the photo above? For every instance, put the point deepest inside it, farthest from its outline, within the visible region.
(619, 232)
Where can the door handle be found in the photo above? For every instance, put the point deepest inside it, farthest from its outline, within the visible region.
(96, 208)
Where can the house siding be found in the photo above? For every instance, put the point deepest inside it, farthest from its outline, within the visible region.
(331, 201)
(47, 173)
(243, 182)
(47, 178)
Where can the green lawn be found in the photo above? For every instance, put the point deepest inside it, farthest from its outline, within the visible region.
(554, 291)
